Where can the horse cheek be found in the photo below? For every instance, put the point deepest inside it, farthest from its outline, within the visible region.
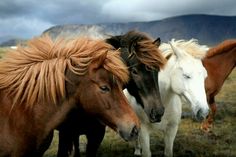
(177, 84)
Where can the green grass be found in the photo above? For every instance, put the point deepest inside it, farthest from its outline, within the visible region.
(190, 140)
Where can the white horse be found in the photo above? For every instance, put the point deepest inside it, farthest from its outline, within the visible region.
(183, 76)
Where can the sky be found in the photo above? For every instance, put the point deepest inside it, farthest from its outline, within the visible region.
(29, 18)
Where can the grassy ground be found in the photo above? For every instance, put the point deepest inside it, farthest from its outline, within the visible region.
(190, 141)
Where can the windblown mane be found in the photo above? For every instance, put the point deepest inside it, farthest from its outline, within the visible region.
(191, 46)
(145, 50)
(222, 47)
(37, 72)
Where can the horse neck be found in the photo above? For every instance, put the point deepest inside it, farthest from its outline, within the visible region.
(220, 65)
(165, 81)
(41, 119)
(60, 114)
(51, 117)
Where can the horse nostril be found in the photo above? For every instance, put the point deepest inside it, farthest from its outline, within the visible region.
(134, 132)
(152, 115)
(155, 116)
(199, 115)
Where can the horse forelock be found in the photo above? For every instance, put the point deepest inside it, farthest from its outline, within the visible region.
(165, 49)
(222, 47)
(145, 50)
(117, 67)
(190, 46)
(36, 72)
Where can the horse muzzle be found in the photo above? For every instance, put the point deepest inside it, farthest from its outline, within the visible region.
(201, 114)
(156, 115)
(154, 109)
(130, 135)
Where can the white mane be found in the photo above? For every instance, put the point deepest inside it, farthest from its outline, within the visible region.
(192, 47)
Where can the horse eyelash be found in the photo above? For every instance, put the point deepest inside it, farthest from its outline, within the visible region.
(187, 76)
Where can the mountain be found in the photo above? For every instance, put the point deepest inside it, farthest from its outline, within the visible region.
(208, 29)
(12, 42)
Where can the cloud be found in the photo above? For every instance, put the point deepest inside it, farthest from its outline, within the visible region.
(142, 10)
(27, 18)
(22, 27)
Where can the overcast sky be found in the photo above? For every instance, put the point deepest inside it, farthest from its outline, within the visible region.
(28, 18)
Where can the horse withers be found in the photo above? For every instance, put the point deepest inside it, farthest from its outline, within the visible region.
(42, 82)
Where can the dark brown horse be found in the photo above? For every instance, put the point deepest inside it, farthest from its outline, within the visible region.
(41, 83)
(219, 62)
(141, 54)
(143, 58)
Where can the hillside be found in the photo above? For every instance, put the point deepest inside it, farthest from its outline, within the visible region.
(208, 29)
(12, 42)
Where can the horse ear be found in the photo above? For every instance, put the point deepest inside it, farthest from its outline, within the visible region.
(168, 56)
(157, 42)
(114, 41)
(176, 50)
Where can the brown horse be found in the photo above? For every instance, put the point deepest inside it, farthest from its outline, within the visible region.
(42, 82)
(219, 62)
(141, 54)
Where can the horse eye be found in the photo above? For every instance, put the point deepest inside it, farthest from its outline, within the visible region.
(148, 68)
(104, 88)
(187, 76)
(134, 71)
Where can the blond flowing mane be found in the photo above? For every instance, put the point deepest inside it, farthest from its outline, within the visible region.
(191, 47)
(222, 47)
(36, 72)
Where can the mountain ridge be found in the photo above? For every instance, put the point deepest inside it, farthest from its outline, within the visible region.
(208, 29)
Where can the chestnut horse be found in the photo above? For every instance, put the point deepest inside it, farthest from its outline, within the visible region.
(42, 82)
(141, 54)
(219, 62)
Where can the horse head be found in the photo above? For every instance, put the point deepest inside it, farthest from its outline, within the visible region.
(99, 92)
(185, 75)
(144, 60)
(187, 80)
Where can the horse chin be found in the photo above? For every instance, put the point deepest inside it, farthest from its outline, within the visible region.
(199, 112)
(131, 135)
(126, 134)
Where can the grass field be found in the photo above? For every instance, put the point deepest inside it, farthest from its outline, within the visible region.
(190, 140)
